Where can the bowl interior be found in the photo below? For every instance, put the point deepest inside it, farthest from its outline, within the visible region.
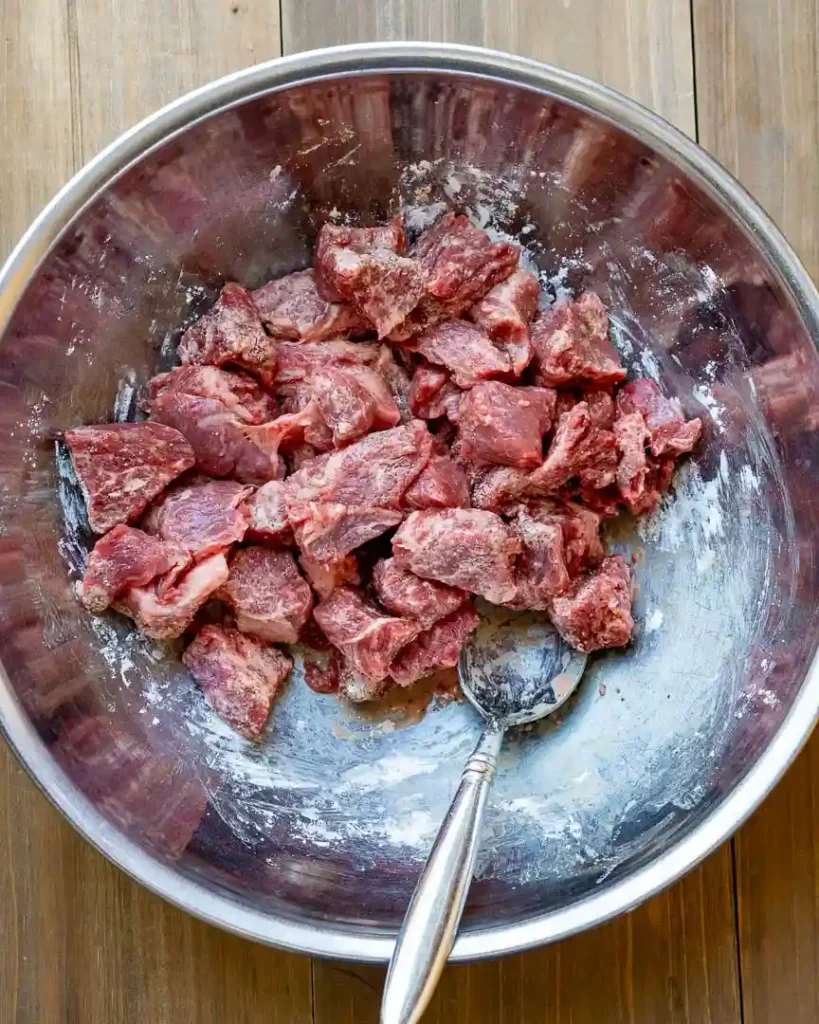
(327, 821)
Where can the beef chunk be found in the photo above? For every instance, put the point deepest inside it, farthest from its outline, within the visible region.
(438, 647)
(231, 334)
(571, 344)
(329, 575)
(362, 266)
(267, 594)
(239, 676)
(464, 350)
(595, 612)
(504, 314)
(580, 528)
(466, 548)
(403, 593)
(299, 362)
(601, 408)
(579, 452)
(632, 470)
(291, 307)
(503, 425)
(121, 467)
(203, 517)
(426, 390)
(670, 433)
(328, 530)
(238, 392)
(367, 637)
(353, 400)
(494, 488)
(268, 515)
(165, 612)
(397, 380)
(443, 484)
(322, 670)
(125, 558)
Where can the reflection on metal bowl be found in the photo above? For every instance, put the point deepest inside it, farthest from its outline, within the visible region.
(313, 839)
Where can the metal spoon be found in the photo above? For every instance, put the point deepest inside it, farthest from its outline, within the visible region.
(515, 670)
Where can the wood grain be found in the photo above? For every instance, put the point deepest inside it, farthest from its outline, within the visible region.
(758, 101)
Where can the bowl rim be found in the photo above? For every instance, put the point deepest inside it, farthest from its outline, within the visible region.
(351, 942)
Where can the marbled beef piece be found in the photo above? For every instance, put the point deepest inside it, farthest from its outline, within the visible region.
(571, 344)
(356, 266)
(368, 638)
(239, 676)
(299, 362)
(329, 575)
(498, 486)
(121, 467)
(579, 452)
(267, 594)
(164, 613)
(353, 400)
(595, 612)
(291, 307)
(436, 648)
(504, 314)
(466, 548)
(505, 425)
(231, 334)
(203, 518)
(240, 393)
(125, 558)
(403, 593)
(670, 433)
(331, 530)
(462, 349)
(268, 515)
(443, 484)
(433, 394)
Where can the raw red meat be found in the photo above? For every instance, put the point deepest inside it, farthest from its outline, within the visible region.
(301, 423)
(121, 467)
(595, 612)
(353, 400)
(331, 530)
(231, 334)
(438, 647)
(357, 688)
(426, 388)
(267, 594)
(541, 571)
(571, 344)
(443, 484)
(291, 307)
(504, 314)
(298, 362)
(238, 392)
(268, 515)
(397, 380)
(632, 470)
(367, 637)
(466, 548)
(124, 558)
(601, 408)
(579, 452)
(403, 593)
(505, 425)
(322, 670)
(670, 433)
(239, 676)
(464, 350)
(494, 488)
(203, 517)
(164, 613)
(325, 577)
(580, 528)
(356, 266)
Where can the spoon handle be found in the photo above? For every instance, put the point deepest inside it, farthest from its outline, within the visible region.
(434, 913)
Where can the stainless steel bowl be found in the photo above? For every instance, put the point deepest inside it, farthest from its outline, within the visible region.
(313, 840)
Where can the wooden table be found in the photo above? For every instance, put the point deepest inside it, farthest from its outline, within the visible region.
(738, 939)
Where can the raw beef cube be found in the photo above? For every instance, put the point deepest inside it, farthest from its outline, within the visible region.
(367, 637)
(541, 568)
(291, 307)
(398, 381)
(322, 670)
(427, 386)
(670, 433)
(239, 676)
(164, 613)
(504, 425)
(356, 266)
(374, 472)
(466, 548)
(325, 577)
(601, 408)
(331, 530)
(124, 558)
(238, 392)
(267, 594)
(352, 401)
(203, 517)
(268, 515)
(464, 350)
(443, 484)
(231, 334)
(579, 451)
(494, 488)
(595, 612)
(632, 470)
(504, 313)
(123, 466)
(302, 423)
(298, 362)
(403, 593)
(579, 526)
(438, 647)
(571, 344)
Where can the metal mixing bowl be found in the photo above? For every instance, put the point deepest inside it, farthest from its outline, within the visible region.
(313, 840)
